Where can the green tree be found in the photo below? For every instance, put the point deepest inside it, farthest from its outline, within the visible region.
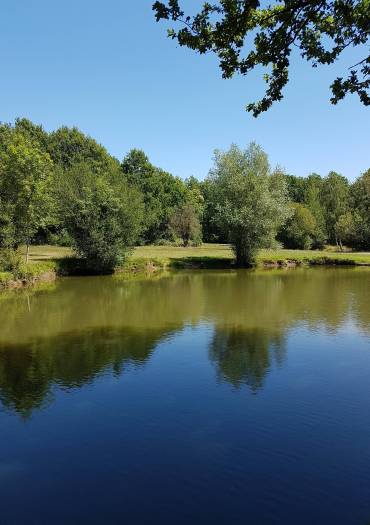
(7, 229)
(251, 203)
(195, 195)
(313, 201)
(245, 35)
(34, 132)
(25, 176)
(185, 223)
(360, 198)
(345, 229)
(299, 230)
(69, 146)
(102, 214)
(335, 200)
(296, 188)
(162, 193)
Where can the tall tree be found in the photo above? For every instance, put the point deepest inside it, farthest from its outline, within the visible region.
(245, 35)
(25, 175)
(251, 203)
(161, 191)
(313, 201)
(68, 146)
(296, 188)
(360, 197)
(335, 198)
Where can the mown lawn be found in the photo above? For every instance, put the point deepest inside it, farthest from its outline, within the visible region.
(47, 252)
(209, 254)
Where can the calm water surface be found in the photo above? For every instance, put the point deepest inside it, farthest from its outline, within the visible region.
(202, 397)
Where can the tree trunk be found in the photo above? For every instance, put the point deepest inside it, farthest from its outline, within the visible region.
(244, 256)
(27, 251)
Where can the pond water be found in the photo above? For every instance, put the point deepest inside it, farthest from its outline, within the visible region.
(199, 397)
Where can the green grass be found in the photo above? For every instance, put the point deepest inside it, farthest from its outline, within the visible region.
(5, 277)
(213, 255)
(314, 257)
(47, 252)
(149, 260)
(152, 260)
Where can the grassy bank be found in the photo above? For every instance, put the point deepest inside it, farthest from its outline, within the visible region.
(29, 274)
(48, 261)
(220, 255)
(210, 255)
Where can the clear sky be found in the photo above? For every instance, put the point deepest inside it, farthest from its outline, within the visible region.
(108, 68)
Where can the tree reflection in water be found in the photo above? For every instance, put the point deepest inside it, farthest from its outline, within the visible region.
(82, 328)
(244, 356)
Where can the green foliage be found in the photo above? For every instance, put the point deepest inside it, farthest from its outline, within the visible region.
(360, 197)
(161, 191)
(299, 230)
(313, 201)
(335, 199)
(25, 177)
(185, 224)
(11, 262)
(246, 35)
(296, 187)
(69, 146)
(102, 214)
(35, 133)
(345, 229)
(251, 203)
(64, 188)
(7, 226)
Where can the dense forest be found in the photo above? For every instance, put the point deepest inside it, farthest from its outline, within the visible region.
(64, 188)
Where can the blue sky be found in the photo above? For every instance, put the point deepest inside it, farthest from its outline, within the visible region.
(109, 68)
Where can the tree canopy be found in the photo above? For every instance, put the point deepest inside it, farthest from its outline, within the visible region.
(251, 202)
(245, 35)
(64, 188)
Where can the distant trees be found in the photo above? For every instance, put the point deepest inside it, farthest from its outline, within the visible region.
(360, 200)
(162, 193)
(335, 199)
(341, 210)
(251, 203)
(299, 230)
(185, 223)
(63, 187)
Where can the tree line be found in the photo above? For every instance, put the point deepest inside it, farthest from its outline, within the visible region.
(64, 188)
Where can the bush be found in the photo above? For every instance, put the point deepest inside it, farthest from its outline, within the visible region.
(299, 230)
(12, 262)
(185, 223)
(102, 214)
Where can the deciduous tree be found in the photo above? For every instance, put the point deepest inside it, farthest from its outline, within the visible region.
(248, 34)
(251, 202)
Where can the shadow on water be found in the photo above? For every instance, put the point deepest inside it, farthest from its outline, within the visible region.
(82, 328)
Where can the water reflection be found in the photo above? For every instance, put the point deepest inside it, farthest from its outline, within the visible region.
(82, 328)
(244, 356)
(29, 371)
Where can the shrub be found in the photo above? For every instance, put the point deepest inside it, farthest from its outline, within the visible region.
(299, 230)
(102, 214)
